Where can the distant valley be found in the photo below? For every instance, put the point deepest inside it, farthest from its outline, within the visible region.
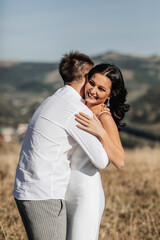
(23, 86)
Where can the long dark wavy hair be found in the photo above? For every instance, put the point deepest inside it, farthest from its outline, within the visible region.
(118, 107)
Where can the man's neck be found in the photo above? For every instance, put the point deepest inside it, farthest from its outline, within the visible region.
(78, 87)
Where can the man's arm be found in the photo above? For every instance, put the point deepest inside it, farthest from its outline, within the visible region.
(106, 130)
(89, 143)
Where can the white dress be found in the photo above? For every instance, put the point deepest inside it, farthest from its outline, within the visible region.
(85, 199)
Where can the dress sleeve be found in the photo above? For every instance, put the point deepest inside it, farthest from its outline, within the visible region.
(88, 142)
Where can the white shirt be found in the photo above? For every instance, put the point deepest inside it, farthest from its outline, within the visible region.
(43, 170)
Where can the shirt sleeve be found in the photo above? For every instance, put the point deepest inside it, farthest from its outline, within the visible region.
(88, 142)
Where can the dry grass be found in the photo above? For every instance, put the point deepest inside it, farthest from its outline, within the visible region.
(10, 223)
(132, 209)
(132, 197)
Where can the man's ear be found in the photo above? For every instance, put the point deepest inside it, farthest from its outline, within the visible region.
(86, 78)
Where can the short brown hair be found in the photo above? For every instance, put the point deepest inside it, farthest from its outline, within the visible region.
(74, 66)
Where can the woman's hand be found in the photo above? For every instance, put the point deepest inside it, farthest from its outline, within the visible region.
(107, 134)
(99, 108)
(104, 108)
(89, 124)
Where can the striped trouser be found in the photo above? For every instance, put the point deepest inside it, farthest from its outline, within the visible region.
(43, 219)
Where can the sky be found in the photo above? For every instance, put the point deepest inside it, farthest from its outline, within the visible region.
(44, 30)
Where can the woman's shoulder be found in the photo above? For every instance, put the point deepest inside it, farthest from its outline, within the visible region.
(104, 113)
(106, 119)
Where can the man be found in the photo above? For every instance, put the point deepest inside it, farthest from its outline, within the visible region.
(43, 170)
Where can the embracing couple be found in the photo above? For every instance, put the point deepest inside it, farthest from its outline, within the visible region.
(58, 188)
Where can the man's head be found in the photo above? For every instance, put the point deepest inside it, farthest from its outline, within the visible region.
(74, 66)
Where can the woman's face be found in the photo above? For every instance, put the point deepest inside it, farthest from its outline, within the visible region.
(97, 89)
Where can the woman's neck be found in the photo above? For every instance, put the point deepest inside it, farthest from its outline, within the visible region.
(96, 109)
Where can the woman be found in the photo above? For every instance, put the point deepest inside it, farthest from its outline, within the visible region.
(85, 196)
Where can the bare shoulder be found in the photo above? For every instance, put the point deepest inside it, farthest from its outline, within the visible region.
(107, 120)
(104, 116)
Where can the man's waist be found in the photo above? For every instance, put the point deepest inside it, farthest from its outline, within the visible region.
(39, 191)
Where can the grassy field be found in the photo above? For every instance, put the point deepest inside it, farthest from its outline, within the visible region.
(132, 210)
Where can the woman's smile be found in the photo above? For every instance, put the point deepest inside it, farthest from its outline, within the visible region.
(90, 95)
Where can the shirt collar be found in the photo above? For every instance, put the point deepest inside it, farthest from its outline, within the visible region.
(75, 93)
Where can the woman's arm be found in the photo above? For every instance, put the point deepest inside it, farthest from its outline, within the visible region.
(106, 130)
(111, 140)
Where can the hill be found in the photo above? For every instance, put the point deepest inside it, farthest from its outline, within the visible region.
(23, 86)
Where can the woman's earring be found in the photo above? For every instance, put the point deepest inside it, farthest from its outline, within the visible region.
(108, 102)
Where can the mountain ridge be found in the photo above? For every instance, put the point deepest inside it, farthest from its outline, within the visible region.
(24, 85)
